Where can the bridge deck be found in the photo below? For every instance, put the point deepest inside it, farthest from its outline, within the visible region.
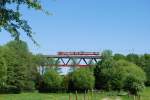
(74, 56)
(80, 59)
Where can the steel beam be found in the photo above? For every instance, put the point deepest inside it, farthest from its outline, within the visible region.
(61, 58)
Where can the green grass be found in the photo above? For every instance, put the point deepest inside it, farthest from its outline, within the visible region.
(145, 95)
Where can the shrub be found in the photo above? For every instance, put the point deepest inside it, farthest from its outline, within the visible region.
(134, 58)
(10, 89)
(114, 78)
(135, 79)
(18, 65)
(102, 73)
(65, 83)
(51, 82)
(81, 80)
(3, 72)
(119, 56)
(145, 65)
(110, 76)
(29, 86)
(121, 75)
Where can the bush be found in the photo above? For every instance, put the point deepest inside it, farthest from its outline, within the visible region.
(102, 73)
(121, 75)
(110, 76)
(10, 89)
(114, 78)
(65, 83)
(119, 57)
(145, 65)
(51, 82)
(16, 66)
(134, 58)
(81, 80)
(29, 86)
(134, 77)
(3, 72)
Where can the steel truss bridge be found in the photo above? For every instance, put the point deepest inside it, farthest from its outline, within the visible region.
(77, 59)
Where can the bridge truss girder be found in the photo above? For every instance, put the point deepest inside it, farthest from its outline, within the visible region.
(75, 61)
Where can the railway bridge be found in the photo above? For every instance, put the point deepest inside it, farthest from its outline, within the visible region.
(78, 59)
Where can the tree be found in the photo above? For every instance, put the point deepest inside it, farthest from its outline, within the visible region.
(51, 81)
(11, 19)
(133, 58)
(101, 79)
(120, 75)
(106, 54)
(119, 56)
(145, 65)
(134, 77)
(65, 83)
(106, 62)
(19, 65)
(3, 70)
(81, 79)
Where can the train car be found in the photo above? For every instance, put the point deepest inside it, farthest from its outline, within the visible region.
(79, 53)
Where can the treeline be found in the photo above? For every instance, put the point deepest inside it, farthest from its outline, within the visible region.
(17, 68)
(114, 72)
(20, 71)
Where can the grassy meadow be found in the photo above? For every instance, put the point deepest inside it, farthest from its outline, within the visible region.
(145, 95)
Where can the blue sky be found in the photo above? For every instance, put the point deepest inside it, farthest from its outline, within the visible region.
(122, 26)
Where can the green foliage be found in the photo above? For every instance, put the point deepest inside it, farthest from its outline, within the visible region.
(3, 70)
(17, 67)
(119, 56)
(97, 75)
(18, 72)
(114, 78)
(102, 73)
(133, 58)
(65, 83)
(143, 61)
(10, 89)
(106, 62)
(11, 19)
(12, 80)
(134, 82)
(106, 54)
(51, 81)
(20, 66)
(81, 79)
(145, 65)
(118, 74)
(134, 77)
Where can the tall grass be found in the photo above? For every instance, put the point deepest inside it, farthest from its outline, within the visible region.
(145, 95)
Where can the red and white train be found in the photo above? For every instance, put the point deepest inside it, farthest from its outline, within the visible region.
(79, 53)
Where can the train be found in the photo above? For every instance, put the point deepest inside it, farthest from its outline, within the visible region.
(79, 53)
